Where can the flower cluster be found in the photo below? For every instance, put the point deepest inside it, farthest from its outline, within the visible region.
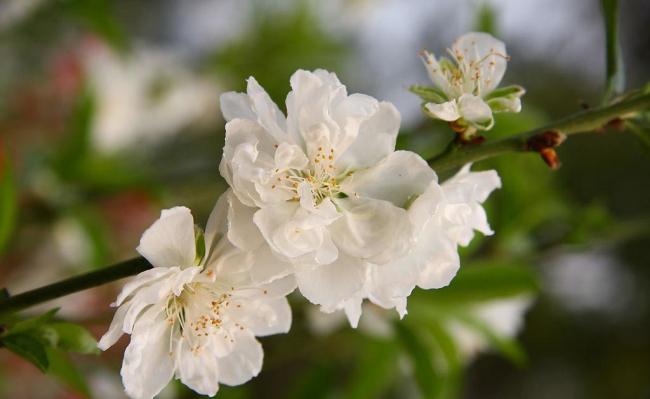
(319, 199)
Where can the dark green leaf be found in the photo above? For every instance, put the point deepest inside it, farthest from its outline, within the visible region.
(374, 371)
(65, 371)
(29, 348)
(480, 282)
(8, 200)
(429, 94)
(74, 338)
(615, 74)
(421, 357)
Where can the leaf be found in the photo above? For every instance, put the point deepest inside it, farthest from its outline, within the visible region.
(65, 371)
(98, 15)
(615, 73)
(77, 141)
(29, 348)
(8, 200)
(480, 282)
(374, 371)
(32, 323)
(74, 338)
(421, 357)
(429, 94)
(506, 91)
(486, 19)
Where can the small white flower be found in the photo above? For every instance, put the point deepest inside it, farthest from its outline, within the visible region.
(194, 315)
(466, 88)
(327, 188)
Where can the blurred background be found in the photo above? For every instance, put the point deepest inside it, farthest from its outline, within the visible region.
(109, 111)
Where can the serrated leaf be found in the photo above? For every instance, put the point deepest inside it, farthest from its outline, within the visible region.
(29, 348)
(429, 94)
(421, 358)
(74, 338)
(62, 368)
(615, 74)
(8, 200)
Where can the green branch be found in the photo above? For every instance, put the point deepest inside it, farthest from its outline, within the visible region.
(582, 122)
(73, 284)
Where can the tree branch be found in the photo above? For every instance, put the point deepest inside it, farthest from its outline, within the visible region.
(456, 155)
(74, 284)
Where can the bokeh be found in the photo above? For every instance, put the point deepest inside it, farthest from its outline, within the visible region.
(109, 112)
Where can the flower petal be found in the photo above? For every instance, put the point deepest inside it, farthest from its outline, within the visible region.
(482, 50)
(376, 139)
(448, 111)
(372, 230)
(398, 178)
(331, 285)
(114, 331)
(476, 111)
(244, 362)
(236, 106)
(197, 370)
(170, 240)
(268, 317)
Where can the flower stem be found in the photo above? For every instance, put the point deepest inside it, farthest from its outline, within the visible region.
(74, 284)
(456, 155)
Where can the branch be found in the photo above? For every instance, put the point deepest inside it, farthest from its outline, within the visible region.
(582, 122)
(74, 284)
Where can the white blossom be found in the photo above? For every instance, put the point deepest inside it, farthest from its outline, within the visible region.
(327, 189)
(195, 315)
(466, 86)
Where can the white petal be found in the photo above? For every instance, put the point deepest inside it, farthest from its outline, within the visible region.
(376, 139)
(475, 111)
(147, 367)
(216, 226)
(244, 362)
(352, 310)
(290, 156)
(114, 331)
(372, 230)
(397, 178)
(268, 317)
(481, 47)
(434, 71)
(170, 240)
(198, 370)
(446, 111)
(142, 280)
(331, 285)
(268, 114)
(437, 259)
(267, 266)
(242, 232)
(505, 104)
(236, 105)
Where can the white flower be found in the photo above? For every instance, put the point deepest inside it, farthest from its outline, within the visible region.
(465, 89)
(328, 190)
(444, 216)
(194, 315)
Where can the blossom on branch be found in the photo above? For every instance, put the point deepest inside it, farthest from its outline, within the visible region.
(465, 88)
(195, 315)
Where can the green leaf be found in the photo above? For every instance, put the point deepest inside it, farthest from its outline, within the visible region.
(29, 348)
(374, 371)
(8, 200)
(74, 338)
(421, 357)
(429, 94)
(486, 19)
(99, 17)
(615, 73)
(484, 281)
(62, 368)
(32, 323)
(76, 146)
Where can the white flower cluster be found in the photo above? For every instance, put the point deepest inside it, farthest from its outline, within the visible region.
(318, 199)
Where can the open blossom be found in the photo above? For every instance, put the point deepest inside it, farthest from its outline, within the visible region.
(466, 86)
(444, 216)
(194, 315)
(327, 190)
